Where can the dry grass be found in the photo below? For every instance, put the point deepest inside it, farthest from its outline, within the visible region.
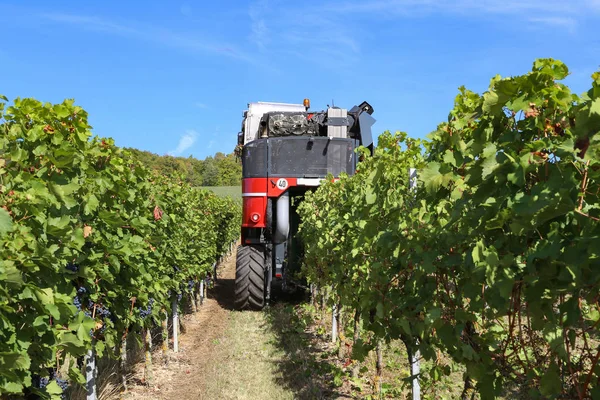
(224, 354)
(182, 375)
(227, 354)
(307, 368)
(245, 362)
(395, 360)
(108, 382)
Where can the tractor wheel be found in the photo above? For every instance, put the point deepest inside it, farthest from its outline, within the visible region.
(250, 278)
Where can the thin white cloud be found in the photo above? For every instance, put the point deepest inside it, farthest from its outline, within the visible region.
(548, 12)
(185, 142)
(260, 32)
(561, 22)
(488, 6)
(192, 43)
(200, 105)
(329, 33)
(300, 30)
(91, 23)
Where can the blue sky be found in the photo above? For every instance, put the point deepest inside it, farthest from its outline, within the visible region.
(174, 77)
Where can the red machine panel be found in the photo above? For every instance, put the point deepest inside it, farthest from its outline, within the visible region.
(277, 186)
(254, 202)
(255, 192)
(254, 212)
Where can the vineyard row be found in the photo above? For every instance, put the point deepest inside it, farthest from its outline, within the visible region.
(93, 246)
(490, 257)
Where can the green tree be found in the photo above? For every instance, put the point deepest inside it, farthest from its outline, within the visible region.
(211, 173)
(220, 170)
(230, 170)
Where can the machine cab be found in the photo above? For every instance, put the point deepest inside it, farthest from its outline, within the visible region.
(287, 150)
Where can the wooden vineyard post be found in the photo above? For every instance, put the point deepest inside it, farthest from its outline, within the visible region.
(148, 357)
(198, 294)
(182, 327)
(175, 324)
(165, 335)
(415, 369)
(355, 338)
(323, 296)
(341, 335)
(379, 367)
(193, 302)
(334, 321)
(202, 292)
(90, 374)
(413, 350)
(123, 354)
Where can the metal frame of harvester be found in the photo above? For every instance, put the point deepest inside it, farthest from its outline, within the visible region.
(287, 151)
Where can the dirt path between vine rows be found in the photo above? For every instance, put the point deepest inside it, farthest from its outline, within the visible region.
(225, 354)
(270, 355)
(184, 374)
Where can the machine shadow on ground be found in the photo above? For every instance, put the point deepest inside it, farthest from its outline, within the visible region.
(223, 292)
(303, 369)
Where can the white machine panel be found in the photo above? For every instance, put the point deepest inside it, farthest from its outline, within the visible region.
(255, 112)
(337, 131)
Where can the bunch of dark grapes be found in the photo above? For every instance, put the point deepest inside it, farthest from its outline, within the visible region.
(101, 311)
(77, 301)
(63, 384)
(90, 307)
(72, 267)
(191, 285)
(42, 382)
(145, 312)
(179, 295)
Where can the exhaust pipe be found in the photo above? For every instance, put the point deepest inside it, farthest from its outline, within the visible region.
(282, 228)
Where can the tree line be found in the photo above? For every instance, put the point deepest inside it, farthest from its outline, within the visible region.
(218, 170)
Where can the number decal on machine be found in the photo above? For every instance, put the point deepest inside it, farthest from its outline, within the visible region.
(282, 183)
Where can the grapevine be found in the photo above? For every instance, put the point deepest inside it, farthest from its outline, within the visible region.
(87, 232)
(493, 258)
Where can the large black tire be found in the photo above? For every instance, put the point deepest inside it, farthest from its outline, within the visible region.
(250, 278)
